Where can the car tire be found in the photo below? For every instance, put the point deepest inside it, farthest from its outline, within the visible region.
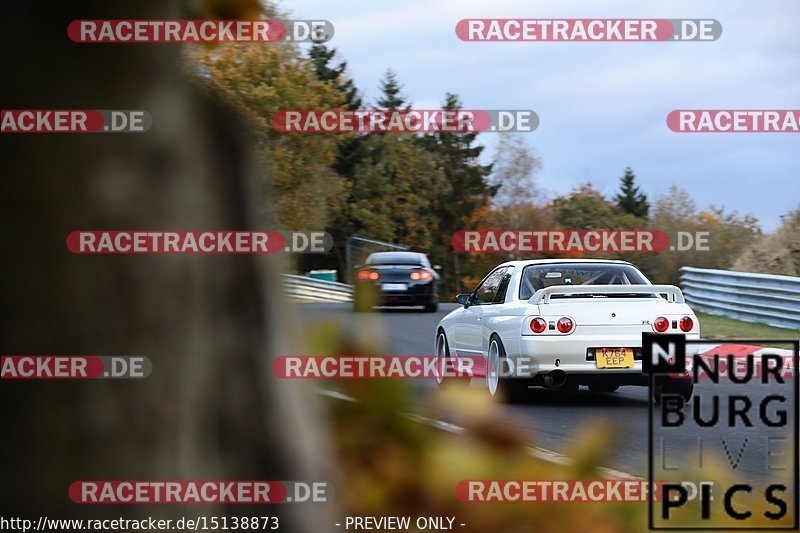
(431, 307)
(442, 353)
(603, 388)
(509, 390)
(682, 387)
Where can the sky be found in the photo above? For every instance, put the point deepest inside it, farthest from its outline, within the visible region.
(602, 106)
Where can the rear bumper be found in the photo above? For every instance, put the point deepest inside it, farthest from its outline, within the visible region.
(414, 294)
(544, 354)
(388, 300)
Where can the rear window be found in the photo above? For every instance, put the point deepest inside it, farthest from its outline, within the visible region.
(397, 258)
(535, 277)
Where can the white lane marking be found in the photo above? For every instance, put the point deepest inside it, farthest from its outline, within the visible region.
(539, 453)
(438, 424)
(336, 395)
(549, 456)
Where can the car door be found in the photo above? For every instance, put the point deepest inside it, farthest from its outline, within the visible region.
(469, 328)
(495, 317)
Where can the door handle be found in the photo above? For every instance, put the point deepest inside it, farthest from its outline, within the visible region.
(479, 319)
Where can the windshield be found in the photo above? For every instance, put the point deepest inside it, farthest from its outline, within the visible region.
(535, 277)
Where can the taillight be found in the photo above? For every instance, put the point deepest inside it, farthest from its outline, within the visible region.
(366, 274)
(564, 325)
(538, 325)
(686, 324)
(421, 275)
(661, 324)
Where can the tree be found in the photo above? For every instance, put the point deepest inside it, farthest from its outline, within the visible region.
(321, 57)
(674, 210)
(776, 253)
(392, 98)
(630, 199)
(212, 407)
(584, 208)
(350, 153)
(514, 172)
(393, 192)
(351, 148)
(727, 234)
(259, 81)
(467, 188)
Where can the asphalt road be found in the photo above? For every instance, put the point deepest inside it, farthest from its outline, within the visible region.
(554, 419)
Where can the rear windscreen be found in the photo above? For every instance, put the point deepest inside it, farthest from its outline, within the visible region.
(395, 259)
(535, 277)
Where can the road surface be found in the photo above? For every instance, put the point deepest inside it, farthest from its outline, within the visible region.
(553, 420)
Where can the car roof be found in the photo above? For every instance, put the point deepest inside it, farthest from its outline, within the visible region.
(404, 252)
(557, 261)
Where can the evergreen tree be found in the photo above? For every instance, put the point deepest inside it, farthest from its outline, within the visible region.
(321, 58)
(351, 153)
(630, 199)
(392, 98)
(459, 156)
(468, 187)
(351, 149)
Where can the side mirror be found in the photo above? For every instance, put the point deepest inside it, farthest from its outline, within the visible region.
(464, 299)
(437, 267)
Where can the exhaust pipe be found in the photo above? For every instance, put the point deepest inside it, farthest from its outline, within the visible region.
(555, 379)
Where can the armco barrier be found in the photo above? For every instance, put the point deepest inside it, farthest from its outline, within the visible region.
(305, 289)
(766, 298)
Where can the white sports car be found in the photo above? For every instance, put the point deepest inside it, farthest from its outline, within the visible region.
(562, 323)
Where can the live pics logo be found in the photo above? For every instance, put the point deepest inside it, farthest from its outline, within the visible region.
(724, 417)
(663, 354)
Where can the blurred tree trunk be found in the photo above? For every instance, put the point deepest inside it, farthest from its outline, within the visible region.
(211, 408)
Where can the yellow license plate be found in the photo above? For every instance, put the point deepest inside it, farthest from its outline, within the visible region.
(614, 357)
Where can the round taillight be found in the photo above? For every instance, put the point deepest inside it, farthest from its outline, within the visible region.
(363, 274)
(564, 325)
(661, 324)
(538, 325)
(415, 275)
(686, 324)
(373, 275)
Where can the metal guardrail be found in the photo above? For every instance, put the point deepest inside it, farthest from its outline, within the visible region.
(766, 298)
(305, 289)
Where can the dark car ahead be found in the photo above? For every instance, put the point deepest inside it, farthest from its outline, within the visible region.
(396, 279)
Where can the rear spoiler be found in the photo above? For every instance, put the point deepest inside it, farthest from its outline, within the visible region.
(542, 296)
